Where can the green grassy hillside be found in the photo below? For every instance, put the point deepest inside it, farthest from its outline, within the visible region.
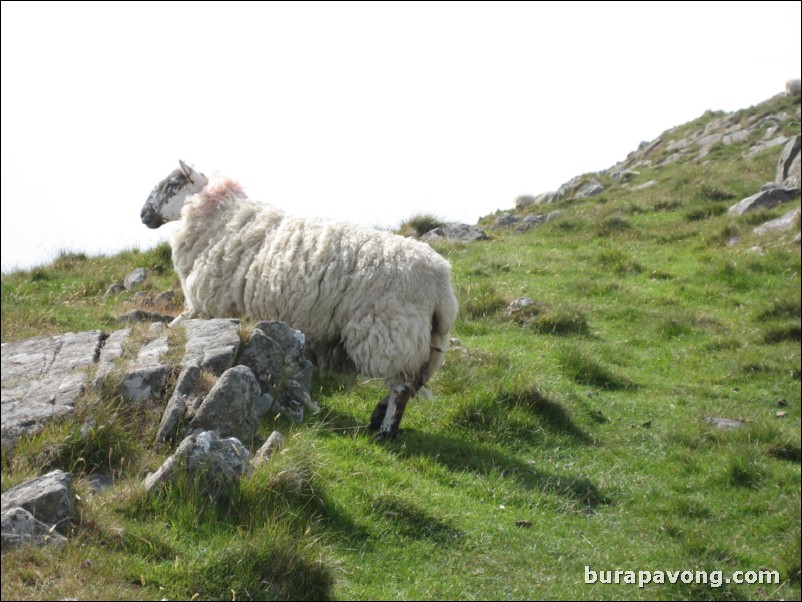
(572, 434)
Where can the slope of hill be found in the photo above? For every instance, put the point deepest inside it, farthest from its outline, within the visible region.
(641, 413)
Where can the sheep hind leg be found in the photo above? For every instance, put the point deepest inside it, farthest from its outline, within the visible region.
(392, 412)
(378, 413)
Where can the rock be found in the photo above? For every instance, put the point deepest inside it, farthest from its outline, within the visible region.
(531, 220)
(139, 315)
(216, 464)
(645, 185)
(724, 423)
(763, 145)
(135, 278)
(764, 199)
(48, 498)
(41, 378)
(588, 189)
(141, 298)
(788, 166)
(270, 447)
(671, 159)
(275, 353)
(165, 298)
(454, 233)
(797, 239)
(737, 136)
(233, 407)
(507, 220)
(534, 220)
(524, 201)
(792, 87)
(100, 481)
(20, 527)
(781, 224)
(554, 215)
(548, 197)
(112, 351)
(185, 389)
(146, 376)
(518, 305)
(625, 175)
(115, 289)
(292, 400)
(211, 344)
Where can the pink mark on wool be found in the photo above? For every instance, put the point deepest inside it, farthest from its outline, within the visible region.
(218, 195)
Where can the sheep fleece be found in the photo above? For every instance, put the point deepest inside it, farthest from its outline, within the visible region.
(385, 300)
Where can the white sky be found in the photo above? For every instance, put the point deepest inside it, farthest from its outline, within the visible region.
(356, 111)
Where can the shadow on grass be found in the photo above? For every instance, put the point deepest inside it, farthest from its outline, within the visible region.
(462, 455)
(467, 455)
(551, 415)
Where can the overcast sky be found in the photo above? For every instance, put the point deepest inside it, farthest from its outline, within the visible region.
(356, 111)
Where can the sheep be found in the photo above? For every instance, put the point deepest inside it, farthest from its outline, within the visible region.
(369, 302)
(792, 87)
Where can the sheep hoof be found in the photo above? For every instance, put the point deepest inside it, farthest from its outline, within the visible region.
(383, 436)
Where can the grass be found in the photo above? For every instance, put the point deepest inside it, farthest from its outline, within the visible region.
(419, 224)
(583, 415)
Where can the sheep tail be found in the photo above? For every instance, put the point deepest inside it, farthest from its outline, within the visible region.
(442, 321)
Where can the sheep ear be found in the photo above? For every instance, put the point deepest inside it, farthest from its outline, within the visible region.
(195, 177)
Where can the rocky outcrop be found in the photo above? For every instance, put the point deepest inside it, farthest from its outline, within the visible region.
(580, 187)
(33, 511)
(272, 446)
(782, 224)
(181, 403)
(771, 196)
(454, 233)
(275, 353)
(110, 354)
(785, 186)
(789, 166)
(41, 379)
(214, 464)
(146, 377)
(20, 527)
(211, 344)
(234, 406)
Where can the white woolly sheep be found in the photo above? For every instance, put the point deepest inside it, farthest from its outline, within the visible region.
(793, 87)
(369, 302)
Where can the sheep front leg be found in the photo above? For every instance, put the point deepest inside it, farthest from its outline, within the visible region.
(391, 412)
(186, 315)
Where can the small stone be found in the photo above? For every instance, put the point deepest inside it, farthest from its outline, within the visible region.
(165, 298)
(135, 278)
(781, 414)
(724, 423)
(519, 304)
(454, 233)
(273, 444)
(507, 220)
(115, 289)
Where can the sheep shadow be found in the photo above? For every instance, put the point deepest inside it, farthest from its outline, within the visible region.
(460, 455)
(466, 455)
(552, 415)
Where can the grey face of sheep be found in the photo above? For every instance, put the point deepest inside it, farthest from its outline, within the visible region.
(165, 202)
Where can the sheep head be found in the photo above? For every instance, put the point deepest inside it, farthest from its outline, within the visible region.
(167, 198)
